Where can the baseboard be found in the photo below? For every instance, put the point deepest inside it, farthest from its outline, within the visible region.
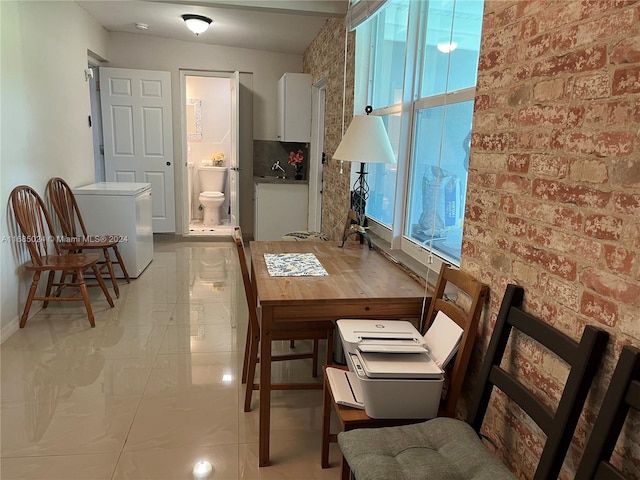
(9, 329)
(14, 325)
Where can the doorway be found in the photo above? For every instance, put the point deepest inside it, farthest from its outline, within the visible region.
(95, 121)
(318, 102)
(210, 152)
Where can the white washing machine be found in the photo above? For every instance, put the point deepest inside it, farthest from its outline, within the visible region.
(123, 209)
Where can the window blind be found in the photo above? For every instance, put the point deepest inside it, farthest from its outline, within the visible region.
(362, 10)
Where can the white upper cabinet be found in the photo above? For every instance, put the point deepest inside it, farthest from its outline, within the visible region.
(294, 108)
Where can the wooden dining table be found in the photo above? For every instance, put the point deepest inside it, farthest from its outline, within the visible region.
(360, 283)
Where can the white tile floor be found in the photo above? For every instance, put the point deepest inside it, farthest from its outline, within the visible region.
(154, 387)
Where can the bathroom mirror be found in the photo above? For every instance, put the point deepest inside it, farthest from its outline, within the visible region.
(194, 119)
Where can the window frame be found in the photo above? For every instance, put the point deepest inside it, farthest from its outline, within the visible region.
(408, 109)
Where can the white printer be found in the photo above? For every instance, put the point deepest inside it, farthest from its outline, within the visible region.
(398, 372)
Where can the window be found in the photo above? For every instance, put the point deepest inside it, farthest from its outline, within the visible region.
(382, 177)
(389, 45)
(421, 71)
(439, 177)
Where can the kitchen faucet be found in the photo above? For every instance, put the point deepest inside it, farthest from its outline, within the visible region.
(276, 166)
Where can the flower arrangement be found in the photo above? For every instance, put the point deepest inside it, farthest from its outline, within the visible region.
(295, 159)
(215, 160)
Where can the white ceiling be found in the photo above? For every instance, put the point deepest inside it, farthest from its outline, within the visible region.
(285, 26)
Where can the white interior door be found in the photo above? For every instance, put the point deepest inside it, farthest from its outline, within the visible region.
(138, 135)
(234, 161)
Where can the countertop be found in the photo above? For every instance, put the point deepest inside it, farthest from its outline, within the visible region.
(274, 179)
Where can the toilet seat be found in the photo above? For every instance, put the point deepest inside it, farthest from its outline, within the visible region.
(212, 195)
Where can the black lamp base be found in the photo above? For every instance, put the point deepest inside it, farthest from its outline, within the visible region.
(359, 196)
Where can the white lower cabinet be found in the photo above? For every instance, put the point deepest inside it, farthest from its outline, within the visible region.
(280, 208)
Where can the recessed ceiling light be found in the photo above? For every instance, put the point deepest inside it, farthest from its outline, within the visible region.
(142, 26)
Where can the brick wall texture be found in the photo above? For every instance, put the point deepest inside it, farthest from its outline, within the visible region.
(324, 59)
(553, 200)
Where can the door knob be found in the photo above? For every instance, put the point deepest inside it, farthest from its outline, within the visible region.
(168, 164)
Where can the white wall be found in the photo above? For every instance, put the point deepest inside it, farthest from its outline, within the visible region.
(44, 108)
(215, 97)
(129, 50)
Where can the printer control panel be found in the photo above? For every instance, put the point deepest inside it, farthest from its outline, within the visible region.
(357, 365)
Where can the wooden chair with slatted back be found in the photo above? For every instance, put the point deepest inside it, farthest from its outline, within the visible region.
(623, 395)
(464, 283)
(477, 293)
(77, 239)
(280, 331)
(35, 224)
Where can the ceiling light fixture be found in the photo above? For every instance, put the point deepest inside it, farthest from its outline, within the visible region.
(447, 47)
(202, 469)
(197, 23)
(142, 26)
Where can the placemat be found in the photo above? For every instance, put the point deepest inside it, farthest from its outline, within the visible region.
(294, 265)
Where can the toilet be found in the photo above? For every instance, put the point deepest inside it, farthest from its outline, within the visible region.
(212, 180)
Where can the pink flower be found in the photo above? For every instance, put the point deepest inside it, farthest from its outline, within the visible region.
(296, 158)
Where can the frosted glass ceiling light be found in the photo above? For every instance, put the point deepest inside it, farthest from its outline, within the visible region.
(197, 23)
(202, 469)
(447, 47)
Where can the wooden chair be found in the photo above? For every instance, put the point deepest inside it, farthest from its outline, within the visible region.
(35, 224)
(281, 331)
(435, 448)
(66, 208)
(622, 395)
(352, 418)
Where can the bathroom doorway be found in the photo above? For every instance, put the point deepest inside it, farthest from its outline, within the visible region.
(210, 149)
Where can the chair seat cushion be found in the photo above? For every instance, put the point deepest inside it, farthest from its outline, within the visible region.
(304, 235)
(438, 449)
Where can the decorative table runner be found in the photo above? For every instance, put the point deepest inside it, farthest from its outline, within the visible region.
(294, 265)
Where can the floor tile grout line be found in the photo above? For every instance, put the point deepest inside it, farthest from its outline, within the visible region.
(126, 439)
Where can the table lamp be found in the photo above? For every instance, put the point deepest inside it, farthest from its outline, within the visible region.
(366, 141)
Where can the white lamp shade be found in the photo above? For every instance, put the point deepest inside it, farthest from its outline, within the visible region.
(366, 140)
